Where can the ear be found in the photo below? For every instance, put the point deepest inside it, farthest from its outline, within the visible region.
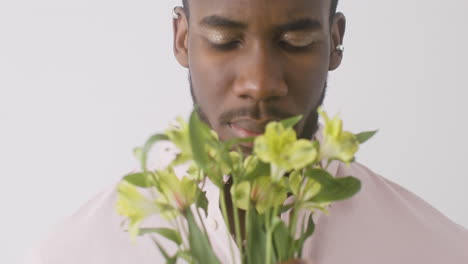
(337, 34)
(180, 28)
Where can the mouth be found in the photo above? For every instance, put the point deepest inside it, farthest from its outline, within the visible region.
(241, 132)
(247, 128)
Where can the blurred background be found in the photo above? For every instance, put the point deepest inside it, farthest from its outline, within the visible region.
(83, 82)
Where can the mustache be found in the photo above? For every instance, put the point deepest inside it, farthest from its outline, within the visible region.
(269, 113)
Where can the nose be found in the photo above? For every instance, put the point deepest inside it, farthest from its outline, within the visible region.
(260, 77)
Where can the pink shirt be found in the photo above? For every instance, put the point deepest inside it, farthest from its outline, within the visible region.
(383, 224)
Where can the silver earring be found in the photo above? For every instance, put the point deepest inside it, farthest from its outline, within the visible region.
(175, 14)
(340, 48)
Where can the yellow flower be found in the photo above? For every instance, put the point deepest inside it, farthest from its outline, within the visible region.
(280, 147)
(240, 194)
(267, 194)
(302, 187)
(178, 194)
(134, 205)
(337, 144)
(178, 134)
(262, 192)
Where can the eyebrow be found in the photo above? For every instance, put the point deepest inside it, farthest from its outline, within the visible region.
(302, 24)
(222, 22)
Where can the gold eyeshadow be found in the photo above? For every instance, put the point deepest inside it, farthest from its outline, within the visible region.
(295, 38)
(218, 37)
(299, 39)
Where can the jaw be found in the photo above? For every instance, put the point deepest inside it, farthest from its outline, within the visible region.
(307, 131)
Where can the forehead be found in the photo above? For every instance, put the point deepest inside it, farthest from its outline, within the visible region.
(264, 11)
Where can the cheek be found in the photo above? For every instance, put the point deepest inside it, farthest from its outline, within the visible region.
(210, 80)
(310, 80)
(307, 78)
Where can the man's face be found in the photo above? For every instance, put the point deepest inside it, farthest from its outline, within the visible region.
(254, 61)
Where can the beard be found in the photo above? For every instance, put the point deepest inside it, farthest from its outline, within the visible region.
(311, 124)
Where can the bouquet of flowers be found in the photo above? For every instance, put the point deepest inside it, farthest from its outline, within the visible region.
(283, 176)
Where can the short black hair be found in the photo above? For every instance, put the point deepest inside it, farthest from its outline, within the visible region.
(333, 8)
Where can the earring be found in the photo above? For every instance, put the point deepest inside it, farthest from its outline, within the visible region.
(175, 14)
(340, 48)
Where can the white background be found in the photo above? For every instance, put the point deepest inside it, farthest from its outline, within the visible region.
(83, 82)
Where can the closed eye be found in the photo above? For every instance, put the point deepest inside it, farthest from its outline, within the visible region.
(226, 46)
(298, 41)
(296, 48)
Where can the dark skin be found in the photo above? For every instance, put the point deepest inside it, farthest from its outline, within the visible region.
(254, 61)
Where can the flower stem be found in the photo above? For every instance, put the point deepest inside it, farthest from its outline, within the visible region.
(238, 230)
(268, 247)
(198, 210)
(182, 230)
(226, 220)
(269, 228)
(203, 225)
(268, 236)
(293, 223)
(303, 227)
(247, 232)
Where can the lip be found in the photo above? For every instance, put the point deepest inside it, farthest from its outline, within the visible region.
(242, 132)
(247, 128)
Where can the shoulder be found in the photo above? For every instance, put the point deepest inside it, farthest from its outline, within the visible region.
(94, 234)
(392, 196)
(384, 217)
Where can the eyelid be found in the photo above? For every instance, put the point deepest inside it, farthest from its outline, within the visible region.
(219, 38)
(216, 37)
(300, 39)
(225, 47)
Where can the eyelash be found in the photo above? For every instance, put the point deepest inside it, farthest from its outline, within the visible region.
(227, 46)
(283, 44)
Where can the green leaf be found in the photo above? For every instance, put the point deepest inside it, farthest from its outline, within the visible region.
(257, 169)
(139, 179)
(199, 243)
(186, 255)
(143, 153)
(285, 208)
(153, 140)
(256, 238)
(340, 189)
(204, 145)
(138, 153)
(165, 232)
(309, 231)
(199, 134)
(292, 121)
(180, 158)
(295, 181)
(202, 202)
(333, 189)
(281, 240)
(365, 136)
(169, 259)
(225, 157)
